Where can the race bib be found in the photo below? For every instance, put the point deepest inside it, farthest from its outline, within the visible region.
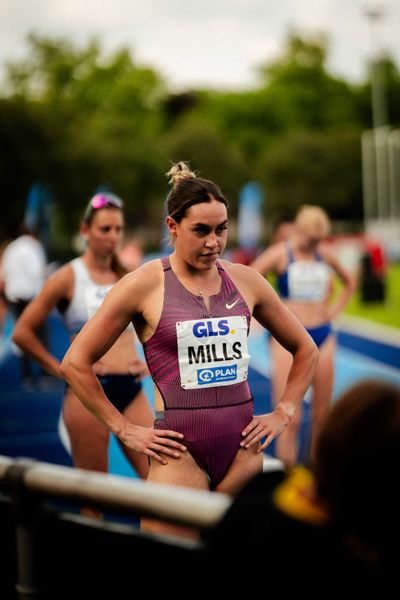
(94, 296)
(308, 281)
(212, 352)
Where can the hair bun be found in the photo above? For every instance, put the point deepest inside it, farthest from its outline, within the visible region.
(179, 171)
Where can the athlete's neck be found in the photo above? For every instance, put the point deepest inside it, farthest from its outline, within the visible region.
(200, 282)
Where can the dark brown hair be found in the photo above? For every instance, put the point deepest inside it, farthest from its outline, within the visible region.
(357, 462)
(188, 189)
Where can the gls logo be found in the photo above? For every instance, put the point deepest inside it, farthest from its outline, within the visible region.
(205, 328)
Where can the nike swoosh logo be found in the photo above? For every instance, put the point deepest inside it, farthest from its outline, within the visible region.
(229, 306)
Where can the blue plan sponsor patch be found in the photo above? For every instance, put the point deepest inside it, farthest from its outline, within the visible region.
(217, 375)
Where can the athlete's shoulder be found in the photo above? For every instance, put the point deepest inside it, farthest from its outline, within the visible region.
(59, 285)
(230, 266)
(238, 270)
(325, 251)
(147, 275)
(278, 249)
(271, 258)
(62, 276)
(151, 267)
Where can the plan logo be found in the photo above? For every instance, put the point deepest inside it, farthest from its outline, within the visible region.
(216, 375)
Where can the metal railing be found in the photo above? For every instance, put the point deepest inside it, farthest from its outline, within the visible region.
(30, 484)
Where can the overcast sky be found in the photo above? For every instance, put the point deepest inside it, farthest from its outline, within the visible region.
(214, 43)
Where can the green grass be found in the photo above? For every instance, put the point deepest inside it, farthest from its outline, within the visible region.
(387, 312)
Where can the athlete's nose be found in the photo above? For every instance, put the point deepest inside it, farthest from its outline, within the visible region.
(114, 234)
(211, 241)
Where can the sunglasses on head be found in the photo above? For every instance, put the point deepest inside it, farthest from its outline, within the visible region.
(103, 200)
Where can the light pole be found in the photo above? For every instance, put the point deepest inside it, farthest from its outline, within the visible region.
(378, 95)
(380, 131)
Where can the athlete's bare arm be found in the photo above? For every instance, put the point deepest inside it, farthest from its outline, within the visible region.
(56, 290)
(268, 309)
(126, 301)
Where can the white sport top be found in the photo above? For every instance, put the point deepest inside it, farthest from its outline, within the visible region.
(87, 297)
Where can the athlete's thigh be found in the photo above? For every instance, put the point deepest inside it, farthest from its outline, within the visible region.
(183, 471)
(246, 465)
(281, 363)
(78, 419)
(139, 413)
(324, 374)
(88, 437)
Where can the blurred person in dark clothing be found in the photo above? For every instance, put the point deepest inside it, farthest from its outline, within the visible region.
(340, 521)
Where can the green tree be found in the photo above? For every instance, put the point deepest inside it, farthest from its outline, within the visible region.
(302, 92)
(210, 154)
(314, 168)
(101, 116)
(24, 142)
(76, 119)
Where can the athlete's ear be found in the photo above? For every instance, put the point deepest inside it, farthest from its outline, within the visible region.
(84, 230)
(171, 224)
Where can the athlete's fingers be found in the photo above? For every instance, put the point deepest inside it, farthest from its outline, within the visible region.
(156, 457)
(165, 450)
(253, 440)
(252, 425)
(267, 442)
(249, 437)
(156, 449)
(256, 436)
(252, 435)
(167, 442)
(169, 433)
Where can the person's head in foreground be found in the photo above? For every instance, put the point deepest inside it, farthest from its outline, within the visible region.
(357, 463)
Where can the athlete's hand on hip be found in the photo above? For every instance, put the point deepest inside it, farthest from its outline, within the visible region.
(269, 426)
(153, 442)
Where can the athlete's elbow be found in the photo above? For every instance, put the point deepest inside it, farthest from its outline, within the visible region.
(307, 352)
(64, 369)
(313, 354)
(68, 367)
(18, 337)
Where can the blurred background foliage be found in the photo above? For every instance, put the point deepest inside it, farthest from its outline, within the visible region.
(77, 119)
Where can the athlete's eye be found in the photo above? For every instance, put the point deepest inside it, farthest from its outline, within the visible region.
(201, 229)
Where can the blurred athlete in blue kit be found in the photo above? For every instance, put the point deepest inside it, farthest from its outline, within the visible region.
(304, 269)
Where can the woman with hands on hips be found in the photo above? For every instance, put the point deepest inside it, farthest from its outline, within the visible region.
(192, 312)
(76, 290)
(305, 270)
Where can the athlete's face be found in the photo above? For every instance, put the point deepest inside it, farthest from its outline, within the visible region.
(310, 242)
(201, 235)
(309, 238)
(105, 231)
